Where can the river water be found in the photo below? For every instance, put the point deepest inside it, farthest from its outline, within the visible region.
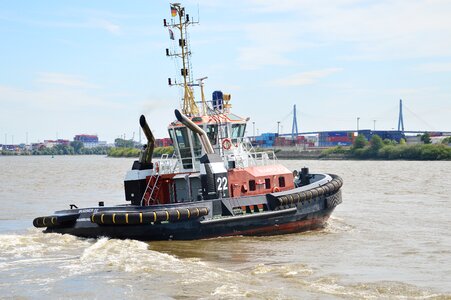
(390, 238)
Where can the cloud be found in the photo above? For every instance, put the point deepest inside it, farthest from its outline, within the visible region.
(268, 44)
(85, 22)
(373, 30)
(93, 23)
(206, 3)
(43, 110)
(305, 78)
(105, 25)
(54, 99)
(61, 79)
(276, 30)
(434, 68)
(251, 58)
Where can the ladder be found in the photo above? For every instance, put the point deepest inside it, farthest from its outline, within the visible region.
(151, 193)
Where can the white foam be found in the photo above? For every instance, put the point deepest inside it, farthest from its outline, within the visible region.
(37, 244)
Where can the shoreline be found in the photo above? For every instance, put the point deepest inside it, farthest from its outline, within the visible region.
(410, 153)
(420, 152)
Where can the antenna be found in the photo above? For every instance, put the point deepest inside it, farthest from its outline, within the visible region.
(180, 20)
(204, 103)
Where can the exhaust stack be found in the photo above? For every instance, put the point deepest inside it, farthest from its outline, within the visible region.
(148, 152)
(191, 125)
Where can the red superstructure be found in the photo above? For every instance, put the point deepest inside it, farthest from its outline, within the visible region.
(259, 180)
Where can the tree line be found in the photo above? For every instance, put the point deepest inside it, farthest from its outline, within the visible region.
(377, 148)
(73, 148)
(134, 152)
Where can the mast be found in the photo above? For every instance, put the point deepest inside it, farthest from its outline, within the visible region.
(181, 21)
(204, 103)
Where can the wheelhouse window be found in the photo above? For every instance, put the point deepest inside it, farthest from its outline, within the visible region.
(252, 185)
(224, 131)
(212, 133)
(197, 145)
(181, 136)
(171, 135)
(238, 131)
(282, 181)
(267, 183)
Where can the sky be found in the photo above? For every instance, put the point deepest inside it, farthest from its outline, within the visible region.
(93, 67)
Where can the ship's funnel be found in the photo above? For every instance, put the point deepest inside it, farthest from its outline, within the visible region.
(191, 125)
(147, 157)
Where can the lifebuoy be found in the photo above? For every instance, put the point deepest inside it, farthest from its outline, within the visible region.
(226, 144)
(275, 189)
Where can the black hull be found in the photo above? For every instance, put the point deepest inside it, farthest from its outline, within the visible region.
(298, 210)
(193, 230)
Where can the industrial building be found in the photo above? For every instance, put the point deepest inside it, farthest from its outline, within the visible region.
(165, 142)
(53, 143)
(89, 141)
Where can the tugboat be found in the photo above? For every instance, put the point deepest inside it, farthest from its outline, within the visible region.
(216, 184)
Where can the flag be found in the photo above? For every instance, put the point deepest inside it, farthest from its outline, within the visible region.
(173, 11)
(171, 34)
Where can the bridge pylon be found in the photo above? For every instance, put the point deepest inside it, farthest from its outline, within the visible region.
(400, 119)
(294, 128)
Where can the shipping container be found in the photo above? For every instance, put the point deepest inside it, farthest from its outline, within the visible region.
(86, 138)
(333, 133)
(339, 139)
